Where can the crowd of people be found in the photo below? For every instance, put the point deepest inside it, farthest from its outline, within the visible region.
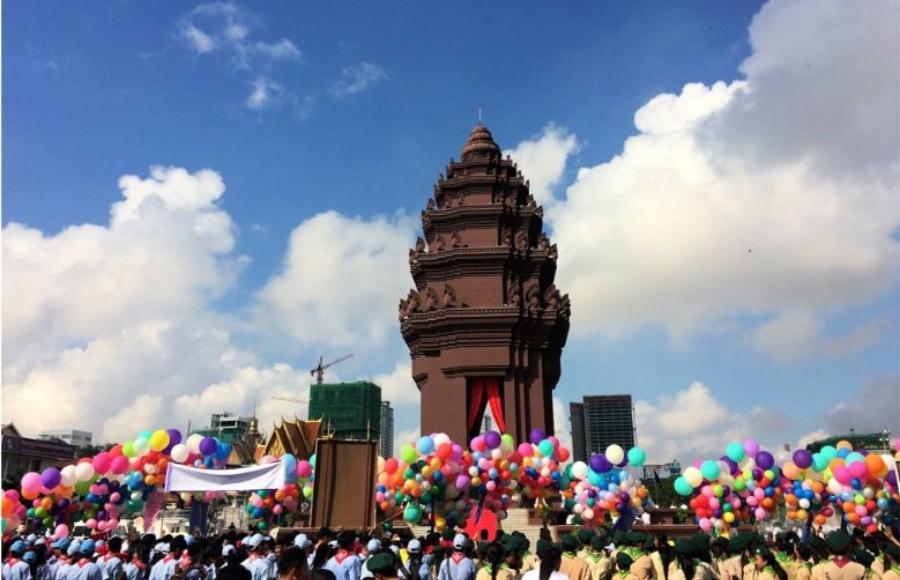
(589, 554)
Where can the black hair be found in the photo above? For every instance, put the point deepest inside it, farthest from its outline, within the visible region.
(323, 553)
(549, 562)
(770, 559)
(114, 544)
(291, 559)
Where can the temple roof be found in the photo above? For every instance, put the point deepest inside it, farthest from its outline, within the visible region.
(480, 142)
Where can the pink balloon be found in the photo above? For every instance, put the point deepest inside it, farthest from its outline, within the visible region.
(842, 474)
(859, 470)
(31, 482)
(102, 462)
(526, 450)
(304, 468)
(119, 465)
(91, 523)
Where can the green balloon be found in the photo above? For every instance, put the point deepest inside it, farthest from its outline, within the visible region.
(412, 514)
(682, 487)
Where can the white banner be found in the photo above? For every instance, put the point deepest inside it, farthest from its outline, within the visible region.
(252, 478)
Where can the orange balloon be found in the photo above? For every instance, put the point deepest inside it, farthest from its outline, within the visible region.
(7, 507)
(876, 465)
(820, 520)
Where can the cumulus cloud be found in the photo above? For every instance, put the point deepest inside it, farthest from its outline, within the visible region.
(542, 159)
(357, 78)
(398, 386)
(692, 423)
(284, 49)
(872, 408)
(112, 328)
(165, 252)
(738, 198)
(561, 425)
(340, 282)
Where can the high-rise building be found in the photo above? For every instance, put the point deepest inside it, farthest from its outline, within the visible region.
(576, 417)
(227, 427)
(347, 410)
(70, 436)
(604, 420)
(387, 430)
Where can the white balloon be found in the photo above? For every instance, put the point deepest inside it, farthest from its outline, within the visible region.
(615, 454)
(179, 453)
(193, 443)
(579, 470)
(84, 471)
(693, 476)
(587, 514)
(69, 478)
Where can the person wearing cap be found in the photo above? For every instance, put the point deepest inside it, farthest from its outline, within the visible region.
(572, 566)
(84, 568)
(57, 555)
(345, 564)
(584, 536)
(597, 561)
(383, 565)
(415, 567)
(371, 548)
(819, 550)
(641, 566)
(864, 557)
(164, 568)
(15, 568)
(305, 545)
(767, 565)
(260, 566)
(233, 569)
(624, 563)
(458, 566)
(841, 566)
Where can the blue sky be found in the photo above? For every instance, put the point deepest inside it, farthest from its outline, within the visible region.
(333, 122)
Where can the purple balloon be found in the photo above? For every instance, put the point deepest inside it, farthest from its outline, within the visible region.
(732, 466)
(764, 460)
(802, 458)
(208, 446)
(537, 435)
(174, 437)
(599, 463)
(51, 477)
(492, 439)
(892, 478)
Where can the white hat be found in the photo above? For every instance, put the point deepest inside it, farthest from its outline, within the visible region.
(302, 542)
(373, 545)
(227, 550)
(253, 541)
(460, 542)
(414, 546)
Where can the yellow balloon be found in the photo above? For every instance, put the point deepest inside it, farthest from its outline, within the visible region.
(159, 440)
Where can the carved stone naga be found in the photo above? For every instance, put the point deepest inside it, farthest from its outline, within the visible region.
(552, 297)
(522, 241)
(448, 300)
(455, 241)
(437, 245)
(565, 307)
(513, 294)
(532, 298)
(429, 299)
(409, 305)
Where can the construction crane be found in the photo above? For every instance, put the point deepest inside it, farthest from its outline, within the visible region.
(289, 400)
(319, 371)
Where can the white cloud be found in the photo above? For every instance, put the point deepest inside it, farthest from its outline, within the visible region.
(198, 40)
(357, 78)
(405, 436)
(233, 33)
(542, 160)
(398, 387)
(284, 49)
(798, 334)
(112, 328)
(738, 198)
(691, 423)
(264, 93)
(341, 281)
(872, 408)
(166, 252)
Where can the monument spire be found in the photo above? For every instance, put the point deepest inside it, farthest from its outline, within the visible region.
(485, 324)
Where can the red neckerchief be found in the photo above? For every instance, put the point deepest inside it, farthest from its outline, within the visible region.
(429, 549)
(841, 561)
(446, 544)
(12, 561)
(253, 556)
(63, 559)
(110, 556)
(139, 565)
(341, 555)
(83, 562)
(168, 557)
(457, 557)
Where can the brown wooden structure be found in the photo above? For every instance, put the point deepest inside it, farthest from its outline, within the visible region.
(344, 488)
(485, 324)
